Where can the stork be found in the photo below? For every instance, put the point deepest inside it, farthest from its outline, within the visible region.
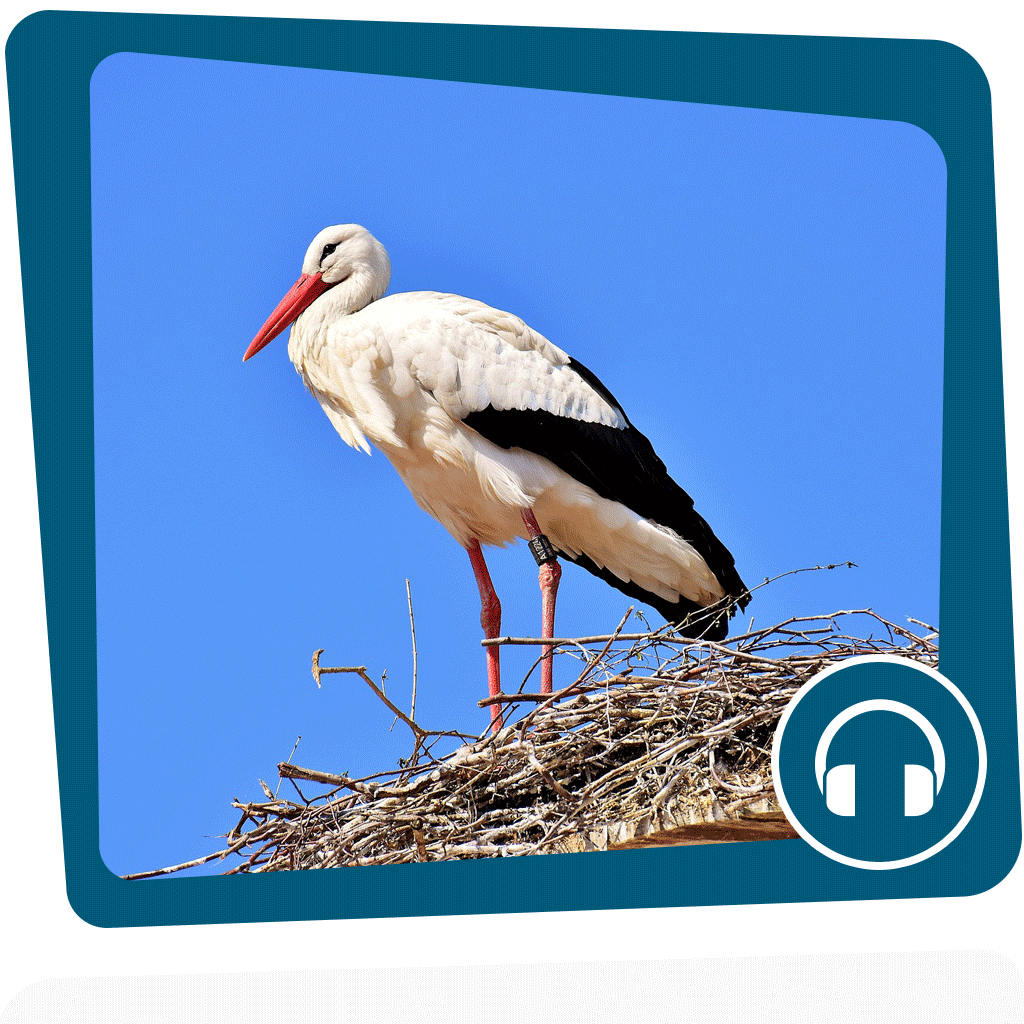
(499, 435)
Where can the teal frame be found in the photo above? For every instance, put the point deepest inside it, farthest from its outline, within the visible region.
(934, 85)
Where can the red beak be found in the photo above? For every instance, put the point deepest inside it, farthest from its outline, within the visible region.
(299, 296)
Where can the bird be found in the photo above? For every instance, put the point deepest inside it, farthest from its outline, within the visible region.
(500, 435)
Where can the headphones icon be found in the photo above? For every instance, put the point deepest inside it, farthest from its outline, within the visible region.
(920, 784)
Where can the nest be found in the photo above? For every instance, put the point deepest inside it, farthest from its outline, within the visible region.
(659, 740)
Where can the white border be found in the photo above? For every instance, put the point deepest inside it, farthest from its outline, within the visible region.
(53, 942)
(884, 865)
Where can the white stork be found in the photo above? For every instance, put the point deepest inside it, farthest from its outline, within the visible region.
(499, 435)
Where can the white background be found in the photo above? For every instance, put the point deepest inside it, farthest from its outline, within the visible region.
(50, 941)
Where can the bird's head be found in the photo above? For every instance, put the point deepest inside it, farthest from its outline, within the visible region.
(346, 257)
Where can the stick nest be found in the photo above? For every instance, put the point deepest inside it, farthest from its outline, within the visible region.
(656, 734)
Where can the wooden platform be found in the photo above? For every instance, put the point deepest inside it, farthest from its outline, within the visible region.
(690, 820)
(760, 827)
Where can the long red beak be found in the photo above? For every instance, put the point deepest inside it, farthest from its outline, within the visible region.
(299, 296)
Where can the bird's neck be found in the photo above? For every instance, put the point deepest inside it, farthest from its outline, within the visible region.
(346, 297)
(359, 289)
(349, 296)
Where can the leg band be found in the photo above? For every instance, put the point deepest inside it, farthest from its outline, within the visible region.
(543, 550)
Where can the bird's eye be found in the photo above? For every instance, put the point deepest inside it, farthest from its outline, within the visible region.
(328, 249)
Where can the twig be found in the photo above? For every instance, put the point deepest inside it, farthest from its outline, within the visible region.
(290, 756)
(564, 641)
(219, 855)
(415, 655)
(360, 670)
(537, 641)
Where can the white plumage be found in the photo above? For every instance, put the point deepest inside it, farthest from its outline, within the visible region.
(423, 376)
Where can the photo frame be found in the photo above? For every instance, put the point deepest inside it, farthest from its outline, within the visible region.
(935, 86)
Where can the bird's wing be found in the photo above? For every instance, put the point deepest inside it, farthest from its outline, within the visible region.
(488, 369)
(472, 357)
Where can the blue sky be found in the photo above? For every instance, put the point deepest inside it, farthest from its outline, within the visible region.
(762, 291)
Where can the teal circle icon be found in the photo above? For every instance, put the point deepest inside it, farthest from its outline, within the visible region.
(879, 762)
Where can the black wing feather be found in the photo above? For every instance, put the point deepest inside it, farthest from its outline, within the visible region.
(620, 464)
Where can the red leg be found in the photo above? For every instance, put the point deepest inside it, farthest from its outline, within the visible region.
(550, 573)
(490, 619)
